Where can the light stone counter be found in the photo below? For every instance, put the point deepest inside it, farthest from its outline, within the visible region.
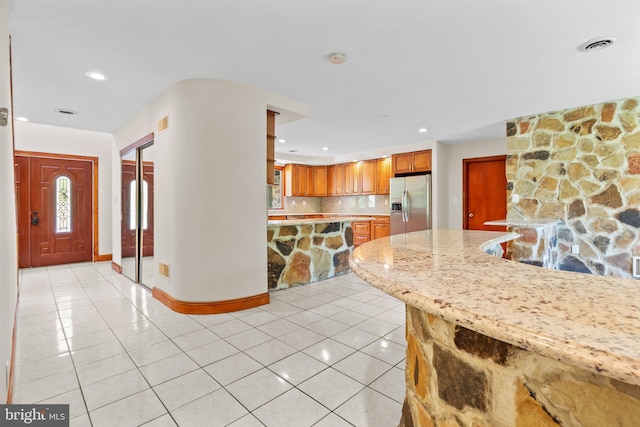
(592, 322)
(493, 342)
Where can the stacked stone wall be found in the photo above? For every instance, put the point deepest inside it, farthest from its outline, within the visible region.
(306, 253)
(581, 166)
(458, 378)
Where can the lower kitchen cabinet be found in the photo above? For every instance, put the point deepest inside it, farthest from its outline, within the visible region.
(381, 228)
(361, 232)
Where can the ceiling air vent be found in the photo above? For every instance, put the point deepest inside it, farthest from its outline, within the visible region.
(597, 44)
(66, 112)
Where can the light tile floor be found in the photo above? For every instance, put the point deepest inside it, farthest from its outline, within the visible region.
(328, 354)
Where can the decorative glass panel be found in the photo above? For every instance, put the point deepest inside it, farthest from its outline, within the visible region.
(63, 204)
(274, 192)
(145, 204)
(132, 205)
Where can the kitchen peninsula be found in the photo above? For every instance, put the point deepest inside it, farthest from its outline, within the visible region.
(301, 251)
(492, 342)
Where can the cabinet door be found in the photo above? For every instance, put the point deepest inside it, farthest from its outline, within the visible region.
(380, 230)
(401, 163)
(300, 180)
(368, 175)
(331, 180)
(347, 169)
(421, 161)
(319, 180)
(290, 183)
(383, 174)
(308, 171)
(339, 180)
(357, 177)
(359, 239)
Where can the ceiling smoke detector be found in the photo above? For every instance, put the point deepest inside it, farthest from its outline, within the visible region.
(597, 44)
(338, 58)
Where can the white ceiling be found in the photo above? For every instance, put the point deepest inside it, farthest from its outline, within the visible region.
(458, 67)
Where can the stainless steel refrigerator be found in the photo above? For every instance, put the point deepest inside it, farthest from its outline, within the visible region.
(410, 199)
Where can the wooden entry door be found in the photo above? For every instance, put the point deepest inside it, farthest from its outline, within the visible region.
(55, 201)
(485, 192)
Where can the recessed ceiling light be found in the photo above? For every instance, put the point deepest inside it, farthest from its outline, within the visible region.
(95, 75)
(66, 112)
(293, 151)
(22, 119)
(325, 148)
(282, 141)
(597, 44)
(337, 58)
(382, 116)
(423, 130)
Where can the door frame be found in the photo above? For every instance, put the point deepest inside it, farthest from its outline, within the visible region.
(465, 180)
(94, 196)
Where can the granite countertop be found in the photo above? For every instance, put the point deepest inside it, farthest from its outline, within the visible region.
(316, 220)
(592, 322)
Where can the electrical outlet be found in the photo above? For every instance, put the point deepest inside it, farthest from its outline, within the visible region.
(575, 249)
(515, 198)
(636, 267)
(304, 202)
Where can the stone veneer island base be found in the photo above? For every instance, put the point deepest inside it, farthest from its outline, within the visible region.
(492, 342)
(307, 250)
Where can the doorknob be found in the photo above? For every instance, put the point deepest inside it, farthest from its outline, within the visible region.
(34, 219)
(470, 214)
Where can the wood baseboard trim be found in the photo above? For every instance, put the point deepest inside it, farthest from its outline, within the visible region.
(213, 307)
(117, 267)
(106, 257)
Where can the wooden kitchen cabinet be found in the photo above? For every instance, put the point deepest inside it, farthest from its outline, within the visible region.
(381, 227)
(383, 174)
(335, 178)
(296, 180)
(347, 181)
(368, 172)
(417, 161)
(319, 177)
(361, 232)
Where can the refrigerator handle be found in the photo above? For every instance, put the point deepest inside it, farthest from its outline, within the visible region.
(405, 205)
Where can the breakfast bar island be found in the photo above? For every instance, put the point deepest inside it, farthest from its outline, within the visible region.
(301, 251)
(493, 342)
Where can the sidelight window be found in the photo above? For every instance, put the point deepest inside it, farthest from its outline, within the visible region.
(132, 205)
(63, 204)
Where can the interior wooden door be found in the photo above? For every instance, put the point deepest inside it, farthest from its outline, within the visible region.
(128, 193)
(24, 211)
(60, 211)
(485, 192)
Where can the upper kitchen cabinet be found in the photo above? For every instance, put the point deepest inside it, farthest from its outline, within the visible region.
(295, 180)
(368, 176)
(383, 174)
(319, 180)
(335, 180)
(417, 161)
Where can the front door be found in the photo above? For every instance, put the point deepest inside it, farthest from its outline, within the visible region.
(485, 192)
(55, 199)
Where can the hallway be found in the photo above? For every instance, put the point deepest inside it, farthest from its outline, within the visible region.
(325, 354)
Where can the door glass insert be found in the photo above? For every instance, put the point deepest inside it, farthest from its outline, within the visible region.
(63, 204)
(133, 206)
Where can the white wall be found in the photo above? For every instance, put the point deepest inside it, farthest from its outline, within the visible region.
(210, 203)
(455, 153)
(8, 251)
(60, 140)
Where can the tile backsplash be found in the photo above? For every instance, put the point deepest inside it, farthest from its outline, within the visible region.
(373, 205)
